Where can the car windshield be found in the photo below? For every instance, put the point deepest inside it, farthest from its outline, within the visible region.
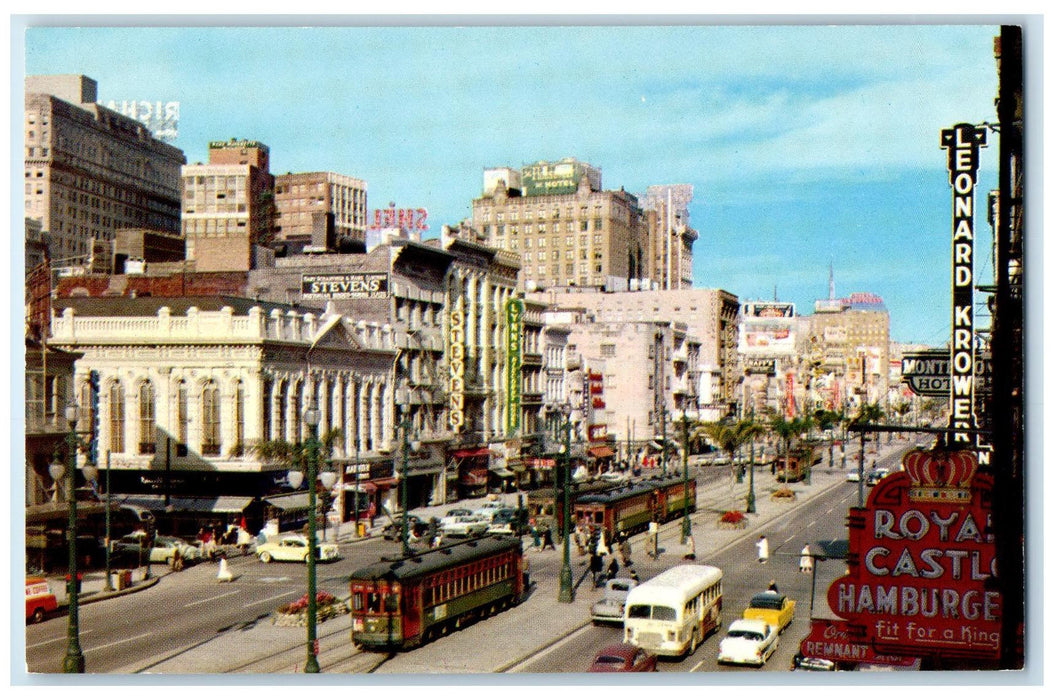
(652, 612)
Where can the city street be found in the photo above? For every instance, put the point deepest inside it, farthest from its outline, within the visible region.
(190, 623)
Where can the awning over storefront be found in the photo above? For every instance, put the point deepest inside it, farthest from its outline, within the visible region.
(289, 501)
(388, 483)
(471, 452)
(601, 451)
(502, 472)
(156, 503)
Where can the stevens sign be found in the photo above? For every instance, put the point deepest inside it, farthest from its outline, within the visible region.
(359, 285)
(922, 558)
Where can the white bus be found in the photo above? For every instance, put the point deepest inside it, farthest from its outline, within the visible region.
(672, 613)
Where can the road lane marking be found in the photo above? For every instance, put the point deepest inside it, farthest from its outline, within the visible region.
(120, 641)
(57, 639)
(208, 600)
(264, 600)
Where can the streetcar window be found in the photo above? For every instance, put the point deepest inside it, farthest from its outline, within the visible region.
(373, 603)
(356, 601)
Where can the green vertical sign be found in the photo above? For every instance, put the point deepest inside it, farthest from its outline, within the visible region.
(513, 345)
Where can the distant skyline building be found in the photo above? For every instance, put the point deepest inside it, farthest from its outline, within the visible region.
(90, 170)
(670, 236)
(228, 206)
(320, 210)
(567, 231)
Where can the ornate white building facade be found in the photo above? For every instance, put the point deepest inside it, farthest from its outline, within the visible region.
(187, 386)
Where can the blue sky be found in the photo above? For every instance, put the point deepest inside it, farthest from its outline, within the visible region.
(806, 145)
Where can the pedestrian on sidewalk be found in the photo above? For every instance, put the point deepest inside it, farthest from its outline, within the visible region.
(624, 549)
(689, 548)
(805, 563)
(773, 587)
(547, 539)
(763, 548)
(596, 565)
(613, 568)
(579, 541)
(536, 537)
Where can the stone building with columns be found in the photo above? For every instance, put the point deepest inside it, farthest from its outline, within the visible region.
(188, 385)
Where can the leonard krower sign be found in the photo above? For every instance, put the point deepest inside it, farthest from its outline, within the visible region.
(357, 285)
(922, 561)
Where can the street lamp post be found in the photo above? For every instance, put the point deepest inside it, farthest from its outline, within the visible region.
(408, 446)
(311, 418)
(686, 524)
(663, 456)
(107, 586)
(567, 593)
(74, 660)
(751, 498)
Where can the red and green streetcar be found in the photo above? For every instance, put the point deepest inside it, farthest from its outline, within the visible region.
(400, 603)
(631, 508)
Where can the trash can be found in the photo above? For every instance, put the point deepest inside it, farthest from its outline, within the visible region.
(360, 529)
(122, 579)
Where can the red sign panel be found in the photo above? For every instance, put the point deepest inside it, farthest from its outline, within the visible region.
(922, 556)
(835, 640)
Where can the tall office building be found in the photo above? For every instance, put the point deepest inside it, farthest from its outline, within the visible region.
(228, 206)
(90, 170)
(567, 231)
(320, 209)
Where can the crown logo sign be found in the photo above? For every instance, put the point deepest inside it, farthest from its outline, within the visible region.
(940, 475)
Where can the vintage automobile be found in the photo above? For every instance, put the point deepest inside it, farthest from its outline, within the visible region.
(749, 642)
(294, 548)
(876, 475)
(394, 529)
(463, 526)
(133, 548)
(612, 605)
(771, 607)
(507, 522)
(40, 601)
(623, 658)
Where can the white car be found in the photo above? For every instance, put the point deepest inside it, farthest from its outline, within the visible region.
(749, 642)
(294, 548)
(852, 475)
(464, 525)
(489, 509)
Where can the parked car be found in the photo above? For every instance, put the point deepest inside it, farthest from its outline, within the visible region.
(749, 642)
(133, 549)
(294, 548)
(489, 509)
(40, 601)
(394, 529)
(774, 608)
(464, 525)
(458, 511)
(507, 522)
(623, 658)
(614, 477)
(852, 475)
(612, 605)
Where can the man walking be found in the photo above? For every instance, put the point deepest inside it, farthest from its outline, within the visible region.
(763, 549)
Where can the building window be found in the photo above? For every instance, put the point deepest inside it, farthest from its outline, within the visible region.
(239, 417)
(182, 416)
(116, 418)
(210, 419)
(147, 437)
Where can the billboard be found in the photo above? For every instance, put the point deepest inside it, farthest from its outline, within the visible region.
(160, 117)
(963, 143)
(922, 561)
(562, 177)
(514, 334)
(354, 285)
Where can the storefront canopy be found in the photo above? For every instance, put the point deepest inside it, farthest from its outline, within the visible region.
(156, 503)
(289, 501)
(502, 472)
(601, 452)
(472, 452)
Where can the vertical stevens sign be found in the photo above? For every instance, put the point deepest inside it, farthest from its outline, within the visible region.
(963, 143)
(457, 365)
(514, 333)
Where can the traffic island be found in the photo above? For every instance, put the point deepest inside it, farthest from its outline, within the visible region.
(783, 493)
(295, 614)
(732, 520)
